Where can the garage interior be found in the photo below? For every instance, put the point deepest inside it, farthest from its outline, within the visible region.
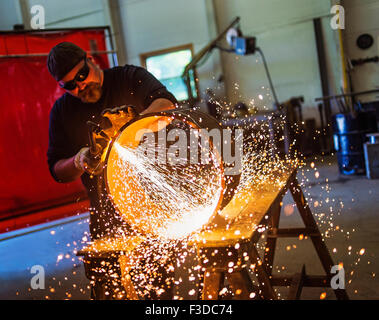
(318, 79)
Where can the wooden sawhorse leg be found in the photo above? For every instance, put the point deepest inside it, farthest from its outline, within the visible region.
(126, 279)
(239, 282)
(271, 241)
(315, 235)
(241, 285)
(213, 282)
(226, 266)
(311, 229)
(239, 279)
(264, 277)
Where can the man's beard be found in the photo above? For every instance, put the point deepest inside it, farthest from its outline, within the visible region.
(91, 94)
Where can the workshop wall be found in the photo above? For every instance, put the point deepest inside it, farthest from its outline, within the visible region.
(284, 31)
(148, 27)
(145, 26)
(58, 14)
(362, 17)
(72, 13)
(10, 14)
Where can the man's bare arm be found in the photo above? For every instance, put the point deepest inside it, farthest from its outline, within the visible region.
(158, 105)
(66, 171)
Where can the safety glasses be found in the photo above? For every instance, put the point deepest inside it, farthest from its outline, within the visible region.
(80, 76)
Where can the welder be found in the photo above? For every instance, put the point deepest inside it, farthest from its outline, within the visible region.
(93, 94)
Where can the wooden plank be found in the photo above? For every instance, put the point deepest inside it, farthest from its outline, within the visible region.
(106, 246)
(241, 285)
(200, 286)
(262, 275)
(126, 279)
(221, 257)
(318, 242)
(271, 241)
(250, 208)
(309, 281)
(213, 281)
(237, 222)
(297, 285)
(291, 232)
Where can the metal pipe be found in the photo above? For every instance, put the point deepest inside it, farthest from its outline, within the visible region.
(52, 30)
(320, 45)
(46, 54)
(196, 59)
(352, 94)
(25, 13)
(345, 78)
(269, 77)
(207, 48)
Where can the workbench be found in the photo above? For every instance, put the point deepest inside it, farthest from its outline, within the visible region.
(227, 248)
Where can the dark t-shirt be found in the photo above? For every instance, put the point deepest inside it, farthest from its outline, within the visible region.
(68, 130)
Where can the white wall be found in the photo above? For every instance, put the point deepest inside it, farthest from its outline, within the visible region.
(150, 25)
(10, 14)
(146, 25)
(284, 31)
(72, 13)
(362, 16)
(333, 61)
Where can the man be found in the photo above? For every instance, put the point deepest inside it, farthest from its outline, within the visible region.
(89, 92)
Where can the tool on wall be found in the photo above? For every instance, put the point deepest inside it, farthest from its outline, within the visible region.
(238, 44)
(365, 41)
(292, 110)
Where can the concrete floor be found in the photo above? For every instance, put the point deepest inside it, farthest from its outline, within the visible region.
(51, 246)
(344, 207)
(346, 210)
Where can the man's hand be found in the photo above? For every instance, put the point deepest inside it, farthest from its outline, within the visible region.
(85, 161)
(160, 104)
(118, 117)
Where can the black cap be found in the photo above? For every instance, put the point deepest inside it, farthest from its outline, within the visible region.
(63, 58)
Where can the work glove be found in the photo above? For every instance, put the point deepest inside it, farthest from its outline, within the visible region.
(89, 163)
(118, 117)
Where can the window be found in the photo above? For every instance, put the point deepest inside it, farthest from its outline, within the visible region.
(168, 65)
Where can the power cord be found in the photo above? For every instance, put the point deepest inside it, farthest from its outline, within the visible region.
(268, 76)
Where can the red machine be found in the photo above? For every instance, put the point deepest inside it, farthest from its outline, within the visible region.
(28, 194)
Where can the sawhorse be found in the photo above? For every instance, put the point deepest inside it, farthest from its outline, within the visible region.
(227, 249)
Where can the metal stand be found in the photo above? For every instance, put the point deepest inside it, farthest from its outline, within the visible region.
(230, 261)
(227, 251)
